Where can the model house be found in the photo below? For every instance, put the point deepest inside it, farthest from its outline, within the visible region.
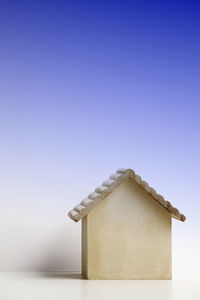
(126, 230)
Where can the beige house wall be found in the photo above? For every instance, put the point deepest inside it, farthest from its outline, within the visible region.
(127, 236)
(84, 259)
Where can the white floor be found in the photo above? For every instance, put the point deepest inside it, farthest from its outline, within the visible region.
(59, 286)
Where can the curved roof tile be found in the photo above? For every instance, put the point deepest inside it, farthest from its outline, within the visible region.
(108, 186)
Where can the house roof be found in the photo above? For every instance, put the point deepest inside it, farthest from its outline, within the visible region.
(108, 186)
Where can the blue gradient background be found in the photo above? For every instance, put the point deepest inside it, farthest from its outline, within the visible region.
(86, 88)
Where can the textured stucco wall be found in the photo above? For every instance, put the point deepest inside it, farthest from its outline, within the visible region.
(127, 236)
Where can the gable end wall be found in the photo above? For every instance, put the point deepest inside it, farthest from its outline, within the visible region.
(128, 237)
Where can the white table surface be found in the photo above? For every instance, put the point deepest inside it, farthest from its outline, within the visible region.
(63, 286)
